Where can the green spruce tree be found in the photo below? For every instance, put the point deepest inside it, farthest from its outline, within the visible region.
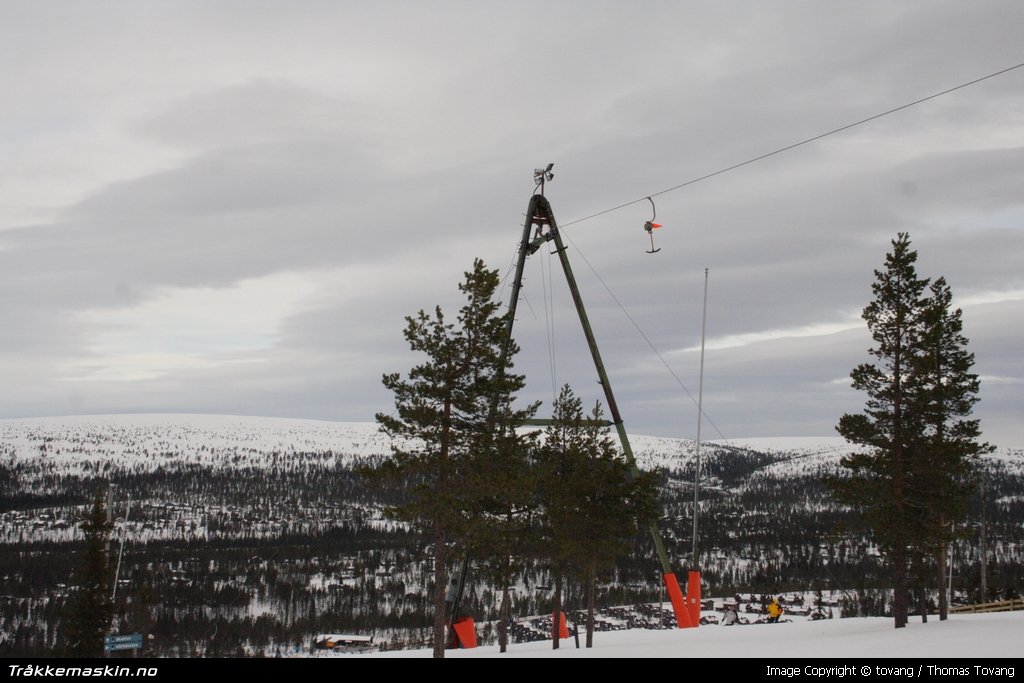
(889, 428)
(616, 506)
(452, 417)
(90, 609)
(501, 534)
(594, 506)
(945, 478)
(912, 481)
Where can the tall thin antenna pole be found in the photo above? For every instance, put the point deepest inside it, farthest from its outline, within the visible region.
(700, 415)
(984, 546)
(952, 530)
(120, 554)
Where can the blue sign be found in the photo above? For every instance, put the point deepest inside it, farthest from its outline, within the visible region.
(128, 642)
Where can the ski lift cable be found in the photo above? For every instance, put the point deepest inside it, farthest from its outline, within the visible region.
(732, 168)
(554, 350)
(644, 336)
(548, 320)
(526, 301)
(794, 145)
(505, 277)
(504, 285)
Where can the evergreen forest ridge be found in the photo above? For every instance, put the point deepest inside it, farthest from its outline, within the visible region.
(251, 535)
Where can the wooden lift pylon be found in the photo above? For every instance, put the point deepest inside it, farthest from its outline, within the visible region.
(540, 227)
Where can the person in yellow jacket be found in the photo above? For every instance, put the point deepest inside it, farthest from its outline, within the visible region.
(774, 611)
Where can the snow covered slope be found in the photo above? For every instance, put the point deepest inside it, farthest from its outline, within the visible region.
(998, 636)
(148, 440)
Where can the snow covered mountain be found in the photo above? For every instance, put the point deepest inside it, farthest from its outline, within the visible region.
(258, 529)
(148, 440)
(216, 440)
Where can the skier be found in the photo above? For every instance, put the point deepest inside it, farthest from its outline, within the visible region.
(730, 617)
(774, 611)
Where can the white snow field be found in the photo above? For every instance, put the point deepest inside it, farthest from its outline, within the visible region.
(996, 636)
(147, 440)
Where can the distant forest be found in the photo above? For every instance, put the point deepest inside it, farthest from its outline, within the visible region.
(240, 559)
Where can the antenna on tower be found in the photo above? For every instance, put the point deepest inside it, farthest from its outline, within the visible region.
(541, 175)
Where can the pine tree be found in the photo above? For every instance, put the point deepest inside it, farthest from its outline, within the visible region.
(501, 535)
(889, 427)
(453, 413)
(914, 480)
(616, 505)
(945, 476)
(594, 506)
(90, 609)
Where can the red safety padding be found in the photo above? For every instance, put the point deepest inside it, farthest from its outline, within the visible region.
(563, 628)
(693, 597)
(465, 632)
(678, 603)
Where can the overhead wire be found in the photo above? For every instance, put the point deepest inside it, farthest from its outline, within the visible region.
(733, 167)
(549, 316)
(794, 145)
(554, 349)
(504, 279)
(643, 335)
(719, 172)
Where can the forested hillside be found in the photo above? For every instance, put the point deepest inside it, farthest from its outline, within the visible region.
(251, 535)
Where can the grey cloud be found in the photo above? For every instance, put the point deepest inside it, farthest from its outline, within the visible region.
(265, 110)
(399, 138)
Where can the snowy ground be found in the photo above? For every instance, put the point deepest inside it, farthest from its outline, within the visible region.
(998, 636)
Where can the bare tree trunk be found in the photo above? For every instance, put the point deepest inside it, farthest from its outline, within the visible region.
(503, 619)
(556, 614)
(919, 592)
(943, 596)
(900, 598)
(591, 600)
(440, 590)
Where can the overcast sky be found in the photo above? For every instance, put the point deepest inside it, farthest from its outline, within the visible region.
(229, 207)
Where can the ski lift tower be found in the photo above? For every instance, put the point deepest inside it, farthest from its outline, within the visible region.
(540, 227)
